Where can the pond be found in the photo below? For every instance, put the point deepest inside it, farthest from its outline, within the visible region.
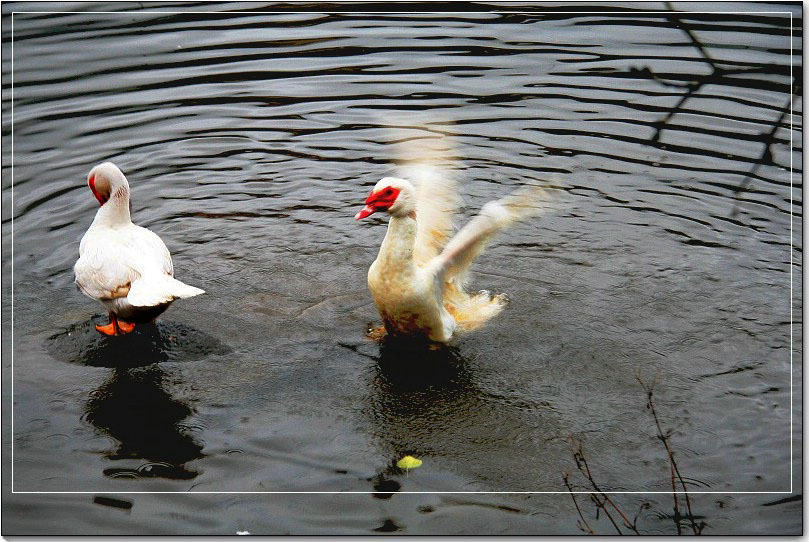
(251, 135)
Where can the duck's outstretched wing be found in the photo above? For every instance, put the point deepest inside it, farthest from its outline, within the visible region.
(437, 202)
(454, 261)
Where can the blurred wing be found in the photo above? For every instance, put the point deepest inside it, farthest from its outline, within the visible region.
(454, 262)
(437, 202)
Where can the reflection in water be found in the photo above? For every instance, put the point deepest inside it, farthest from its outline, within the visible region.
(407, 367)
(133, 407)
(430, 403)
(416, 386)
(420, 390)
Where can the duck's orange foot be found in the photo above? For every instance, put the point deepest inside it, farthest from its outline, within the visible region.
(115, 327)
(109, 329)
(376, 333)
(125, 327)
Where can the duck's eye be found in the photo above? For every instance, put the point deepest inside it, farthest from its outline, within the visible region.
(388, 191)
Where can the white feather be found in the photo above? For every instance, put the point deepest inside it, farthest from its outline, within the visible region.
(154, 290)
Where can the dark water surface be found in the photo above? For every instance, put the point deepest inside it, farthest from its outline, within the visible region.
(250, 140)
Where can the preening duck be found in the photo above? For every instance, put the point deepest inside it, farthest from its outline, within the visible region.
(419, 279)
(126, 267)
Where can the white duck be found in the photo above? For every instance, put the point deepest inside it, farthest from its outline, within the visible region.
(126, 267)
(418, 288)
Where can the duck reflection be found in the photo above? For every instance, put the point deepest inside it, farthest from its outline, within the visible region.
(407, 369)
(133, 405)
(428, 402)
(134, 408)
(417, 387)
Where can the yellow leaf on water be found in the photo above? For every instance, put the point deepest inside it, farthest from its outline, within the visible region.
(408, 462)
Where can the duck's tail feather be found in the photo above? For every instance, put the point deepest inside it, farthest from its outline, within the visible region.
(471, 311)
(150, 291)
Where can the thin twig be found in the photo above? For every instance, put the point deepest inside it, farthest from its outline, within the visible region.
(581, 461)
(642, 507)
(601, 506)
(674, 494)
(576, 504)
(663, 437)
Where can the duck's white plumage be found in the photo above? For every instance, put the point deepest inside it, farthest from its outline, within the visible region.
(419, 279)
(125, 266)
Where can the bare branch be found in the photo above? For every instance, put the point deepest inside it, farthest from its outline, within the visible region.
(663, 436)
(576, 504)
(581, 463)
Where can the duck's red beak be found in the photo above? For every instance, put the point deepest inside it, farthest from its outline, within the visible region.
(378, 201)
(365, 212)
(92, 182)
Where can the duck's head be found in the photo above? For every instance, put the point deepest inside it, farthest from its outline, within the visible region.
(107, 181)
(391, 194)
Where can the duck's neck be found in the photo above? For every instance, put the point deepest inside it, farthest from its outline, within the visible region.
(397, 248)
(115, 212)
